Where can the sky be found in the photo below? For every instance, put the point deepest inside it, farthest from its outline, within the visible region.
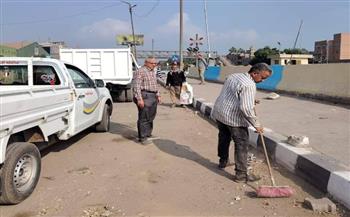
(231, 23)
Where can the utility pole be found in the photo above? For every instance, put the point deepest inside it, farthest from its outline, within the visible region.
(152, 46)
(181, 34)
(206, 24)
(295, 42)
(132, 27)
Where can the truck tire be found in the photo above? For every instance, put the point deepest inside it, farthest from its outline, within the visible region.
(128, 95)
(122, 96)
(103, 126)
(20, 172)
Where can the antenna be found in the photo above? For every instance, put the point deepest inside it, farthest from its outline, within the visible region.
(295, 42)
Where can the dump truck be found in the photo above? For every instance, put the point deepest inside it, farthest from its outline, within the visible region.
(114, 66)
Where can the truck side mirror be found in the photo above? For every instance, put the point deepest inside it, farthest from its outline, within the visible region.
(99, 83)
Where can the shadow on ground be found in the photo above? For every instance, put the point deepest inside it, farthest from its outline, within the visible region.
(126, 131)
(62, 145)
(183, 151)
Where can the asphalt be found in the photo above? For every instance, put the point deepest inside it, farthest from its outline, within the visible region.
(325, 162)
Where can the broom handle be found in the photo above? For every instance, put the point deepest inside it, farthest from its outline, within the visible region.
(267, 159)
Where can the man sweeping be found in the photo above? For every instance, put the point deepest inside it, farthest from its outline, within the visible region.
(234, 112)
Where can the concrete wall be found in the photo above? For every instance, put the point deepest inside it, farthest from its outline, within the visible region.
(323, 81)
(318, 79)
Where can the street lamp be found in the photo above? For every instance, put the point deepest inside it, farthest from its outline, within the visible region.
(132, 26)
(279, 47)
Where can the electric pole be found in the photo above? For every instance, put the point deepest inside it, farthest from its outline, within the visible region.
(295, 42)
(181, 34)
(132, 27)
(206, 25)
(152, 46)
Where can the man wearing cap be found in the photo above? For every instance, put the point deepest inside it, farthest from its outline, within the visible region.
(234, 112)
(146, 97)
(174, 81)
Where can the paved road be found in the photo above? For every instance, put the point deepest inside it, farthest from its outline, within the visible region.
(110, 174)
(326, 125)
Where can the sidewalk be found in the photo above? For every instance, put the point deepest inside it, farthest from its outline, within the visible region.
(326, 125)
(326, 163)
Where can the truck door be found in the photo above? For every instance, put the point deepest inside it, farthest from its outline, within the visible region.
(88, 99)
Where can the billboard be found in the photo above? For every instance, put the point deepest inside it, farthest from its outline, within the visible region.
(128, 39)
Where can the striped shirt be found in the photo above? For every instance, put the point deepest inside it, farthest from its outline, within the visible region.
(144, 80)
(235, 104)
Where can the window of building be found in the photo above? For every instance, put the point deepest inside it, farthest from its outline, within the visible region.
(45, 75)
(277, 62)
(13, 75)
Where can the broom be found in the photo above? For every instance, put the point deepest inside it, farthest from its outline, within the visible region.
(272, 191)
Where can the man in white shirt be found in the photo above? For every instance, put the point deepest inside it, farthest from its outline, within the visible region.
(234, 112)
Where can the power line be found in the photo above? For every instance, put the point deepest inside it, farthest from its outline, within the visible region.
(59, 18)
(150, 11)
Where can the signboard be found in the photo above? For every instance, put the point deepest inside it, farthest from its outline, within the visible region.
(128, 39)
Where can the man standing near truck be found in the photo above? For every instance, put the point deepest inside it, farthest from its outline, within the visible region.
(146, 96)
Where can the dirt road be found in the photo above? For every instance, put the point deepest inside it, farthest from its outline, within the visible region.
(110, 174)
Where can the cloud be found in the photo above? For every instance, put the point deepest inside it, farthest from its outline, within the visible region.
(222, 41)
(173, 26)
(105, 29)
(244, 36)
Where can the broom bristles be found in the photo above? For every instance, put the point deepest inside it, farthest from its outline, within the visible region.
(274, 191)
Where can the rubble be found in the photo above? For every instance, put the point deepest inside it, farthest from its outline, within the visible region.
(273, 96)
(298, 141)
(320, 205)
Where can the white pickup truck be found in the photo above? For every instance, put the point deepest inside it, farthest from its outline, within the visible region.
(42, 101)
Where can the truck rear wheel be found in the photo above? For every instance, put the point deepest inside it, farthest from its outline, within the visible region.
(20, 172)
(128, 95)
(103, 126)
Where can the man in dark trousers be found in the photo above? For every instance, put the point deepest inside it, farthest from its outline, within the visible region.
(146, 97)
(234, 112)
(174, 81)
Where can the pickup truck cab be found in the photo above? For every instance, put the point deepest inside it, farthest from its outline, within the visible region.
(42, 101)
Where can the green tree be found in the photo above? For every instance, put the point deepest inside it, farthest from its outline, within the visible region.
(261, 55)
(296, 51)
(232, 50)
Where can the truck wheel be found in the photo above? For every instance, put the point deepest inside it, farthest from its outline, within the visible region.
(103, 126)
(122, 97)
(128, 95)
(20, 172)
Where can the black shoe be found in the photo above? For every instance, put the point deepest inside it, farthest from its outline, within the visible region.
(225, 163)
(222, 163)
(246, 178)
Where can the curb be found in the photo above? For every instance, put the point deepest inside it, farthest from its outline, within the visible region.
(319, 170)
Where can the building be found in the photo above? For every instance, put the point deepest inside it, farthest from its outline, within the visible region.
(53, 48)
(241, 57)
(336, 50)
(7, 51)
(32, 50)
(290, 59)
